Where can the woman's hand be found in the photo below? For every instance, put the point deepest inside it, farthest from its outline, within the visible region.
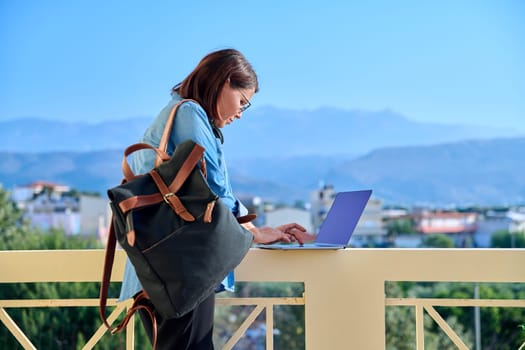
(296, 233)
(285, 233)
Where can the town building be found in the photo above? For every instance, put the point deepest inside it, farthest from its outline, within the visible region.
(48, 205)
(428, 222)
(286, 215)
(517, 217)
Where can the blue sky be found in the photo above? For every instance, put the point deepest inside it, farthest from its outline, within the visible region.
(432, 61)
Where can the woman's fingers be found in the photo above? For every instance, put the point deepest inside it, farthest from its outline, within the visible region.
(295, 226)
(286, 228)
(302, 236)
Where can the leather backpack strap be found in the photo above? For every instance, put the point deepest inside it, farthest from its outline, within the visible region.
(163, 144)
(103, 297)
(187, 167)
(171, 198)
(126, 169)
(139, 305)
(169, 192)
(106, 276)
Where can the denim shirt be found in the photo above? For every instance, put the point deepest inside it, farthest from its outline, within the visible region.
(191, 122)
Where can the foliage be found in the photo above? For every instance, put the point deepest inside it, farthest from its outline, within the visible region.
(76, 193)
(400, 322)
(288, 320)
(400, 226)
(438, 241)
(10, 219)
(51, 327)
(500, 327)
(506, 239)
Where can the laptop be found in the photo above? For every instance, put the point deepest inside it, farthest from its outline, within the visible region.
(338, 226)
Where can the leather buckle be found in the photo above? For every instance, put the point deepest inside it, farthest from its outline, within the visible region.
(167, 196)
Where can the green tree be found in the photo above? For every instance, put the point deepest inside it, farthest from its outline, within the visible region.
(400, 328)
(52, 328)
(400, 226)
(506, 239)
(400, 320)
(288, 319)
(438, 241)
(500, 327)
(11, 224)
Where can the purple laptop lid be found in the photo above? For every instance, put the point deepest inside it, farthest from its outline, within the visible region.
(342, 218)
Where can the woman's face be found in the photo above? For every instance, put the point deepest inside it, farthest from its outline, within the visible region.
(230, 103)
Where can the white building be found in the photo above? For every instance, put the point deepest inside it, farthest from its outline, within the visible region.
(320, 202)
(94, 213)
(371, 222)
(48, 205)
(287, 215)
(517, 217)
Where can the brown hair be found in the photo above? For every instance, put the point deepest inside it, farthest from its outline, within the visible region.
(205, 82)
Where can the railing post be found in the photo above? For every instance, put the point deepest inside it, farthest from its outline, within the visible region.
(130, 334)
(420, 328)
(344, 311)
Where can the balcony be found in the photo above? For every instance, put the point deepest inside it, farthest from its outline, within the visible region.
(344, 291)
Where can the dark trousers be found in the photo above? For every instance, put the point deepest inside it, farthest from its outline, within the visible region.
(193, 331)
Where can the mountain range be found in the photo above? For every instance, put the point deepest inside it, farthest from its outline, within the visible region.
(282, 155)
(266, 131)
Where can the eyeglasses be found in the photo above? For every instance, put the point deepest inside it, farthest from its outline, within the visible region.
(247, 104)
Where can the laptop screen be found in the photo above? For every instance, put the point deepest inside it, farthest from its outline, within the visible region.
(343, 216)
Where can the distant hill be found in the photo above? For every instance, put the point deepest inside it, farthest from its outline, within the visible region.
(265, 132)
(284, 154)
(86, 171)
(467, 172)
(329, 131)
(462, 173)
(39, 135)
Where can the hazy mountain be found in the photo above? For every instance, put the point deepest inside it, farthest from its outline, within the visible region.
(266, 131)
(284, 154)
(461, 173)
(86, 171)
(466, 172)
(477, 171)
(328, 131)
(39, 135)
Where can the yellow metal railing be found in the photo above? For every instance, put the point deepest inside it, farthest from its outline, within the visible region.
(344, 291)
(261, 304)
(427, 304)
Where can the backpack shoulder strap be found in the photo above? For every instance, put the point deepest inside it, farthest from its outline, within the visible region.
(163, 145)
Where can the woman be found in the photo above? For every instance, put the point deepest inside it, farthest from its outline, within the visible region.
(222, 85)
